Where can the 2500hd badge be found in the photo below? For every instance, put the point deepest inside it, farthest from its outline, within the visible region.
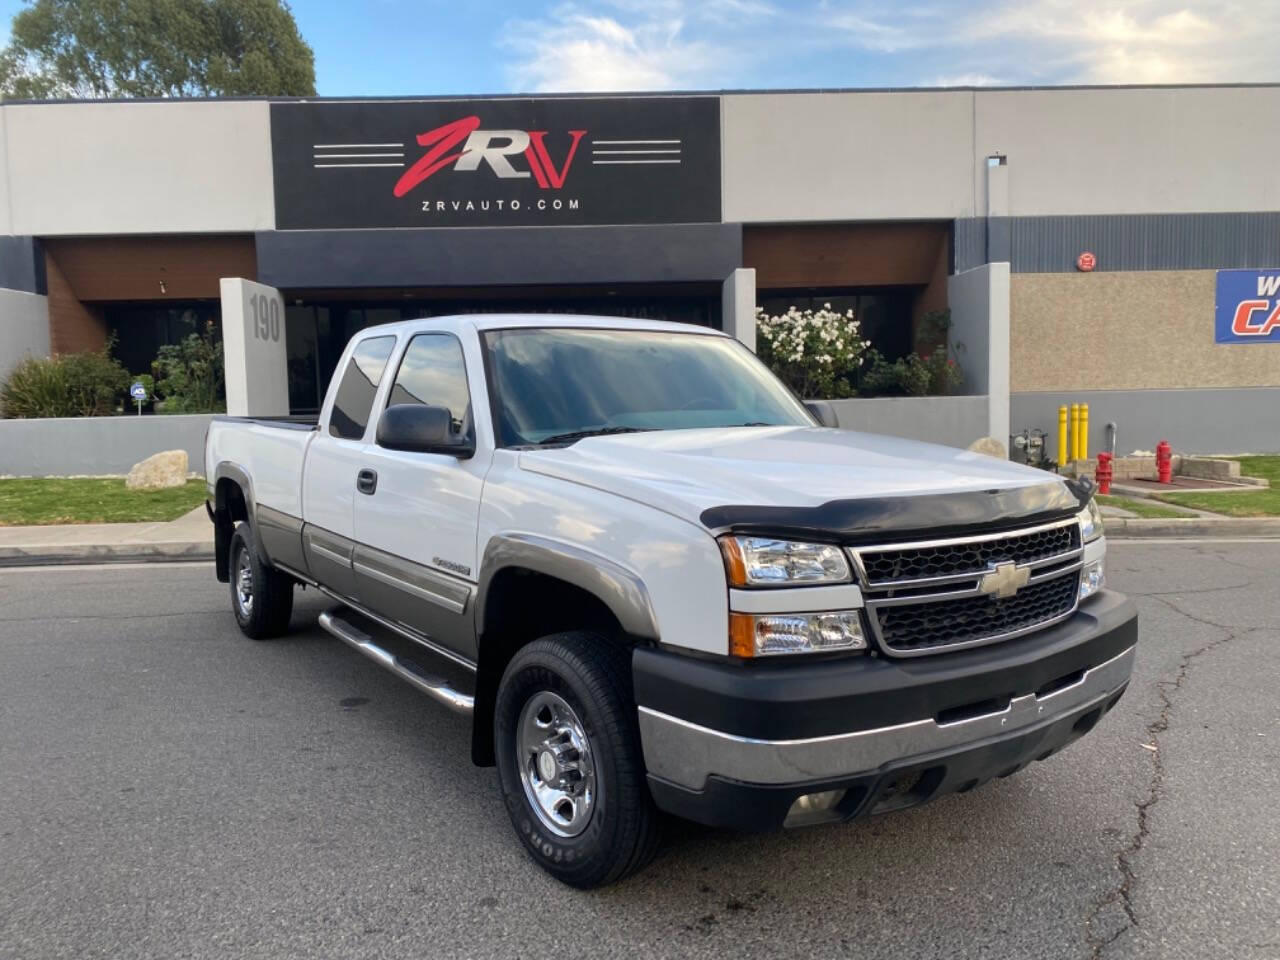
(671, 587)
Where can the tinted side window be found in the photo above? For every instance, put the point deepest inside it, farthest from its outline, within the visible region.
(354, 399)
(432, 372)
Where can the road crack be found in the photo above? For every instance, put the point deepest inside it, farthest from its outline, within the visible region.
(1122, 894)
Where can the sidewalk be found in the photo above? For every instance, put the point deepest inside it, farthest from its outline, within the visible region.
(190, 537)
(1208, 527)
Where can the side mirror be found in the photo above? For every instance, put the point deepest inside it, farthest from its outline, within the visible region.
(825, 413)
(419, 428)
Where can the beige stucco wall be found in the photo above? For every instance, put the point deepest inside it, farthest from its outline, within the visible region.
(79, 169)
(1126, 331)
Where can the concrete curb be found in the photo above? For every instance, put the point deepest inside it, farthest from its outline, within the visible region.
(41, 555)
(1152, 528)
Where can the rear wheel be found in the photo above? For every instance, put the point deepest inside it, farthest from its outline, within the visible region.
(568, 752)
(261, 596)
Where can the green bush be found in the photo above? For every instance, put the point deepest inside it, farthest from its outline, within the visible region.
(927, 371)
(189, 375)
(73, 385)
(912, 376)
(37, 387)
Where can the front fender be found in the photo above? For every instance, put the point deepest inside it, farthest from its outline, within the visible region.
(618, 588)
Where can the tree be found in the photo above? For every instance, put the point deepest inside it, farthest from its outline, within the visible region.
(155, 48)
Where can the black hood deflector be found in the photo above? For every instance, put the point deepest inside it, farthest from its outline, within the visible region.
(897, 518)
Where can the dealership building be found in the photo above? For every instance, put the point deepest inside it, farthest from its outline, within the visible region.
(1115, 246)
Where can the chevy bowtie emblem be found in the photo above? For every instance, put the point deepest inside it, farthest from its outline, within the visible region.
(1005, 580)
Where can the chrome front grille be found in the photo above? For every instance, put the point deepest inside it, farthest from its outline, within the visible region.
(890, 565)
(928, 597)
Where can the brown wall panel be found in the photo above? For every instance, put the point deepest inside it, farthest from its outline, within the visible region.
(845, 255)
(151, 268)
(73, 327)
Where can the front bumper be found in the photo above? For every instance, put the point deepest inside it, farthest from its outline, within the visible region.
(736, 744)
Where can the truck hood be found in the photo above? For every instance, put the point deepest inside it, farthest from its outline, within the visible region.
(690, 473)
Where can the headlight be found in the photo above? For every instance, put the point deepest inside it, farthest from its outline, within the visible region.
(1090, 522)
(767, 634)
(765, 562)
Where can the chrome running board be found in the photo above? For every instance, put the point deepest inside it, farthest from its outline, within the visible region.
(437, 688)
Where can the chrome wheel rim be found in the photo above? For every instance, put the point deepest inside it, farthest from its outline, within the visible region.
(556, 764)
(244, 583)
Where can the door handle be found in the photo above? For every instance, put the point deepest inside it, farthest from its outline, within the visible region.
(367, 481)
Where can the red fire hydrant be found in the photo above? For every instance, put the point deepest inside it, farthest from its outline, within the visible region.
(1103, 472)
(1164, 462)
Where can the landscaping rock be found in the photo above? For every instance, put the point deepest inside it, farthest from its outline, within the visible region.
(158, 471)
(991, 447)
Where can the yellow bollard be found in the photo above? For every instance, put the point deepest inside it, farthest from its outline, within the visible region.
(1062, 435)
(1075, 429)
(1083, 452)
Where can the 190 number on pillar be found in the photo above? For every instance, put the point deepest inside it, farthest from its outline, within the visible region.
(266, 317)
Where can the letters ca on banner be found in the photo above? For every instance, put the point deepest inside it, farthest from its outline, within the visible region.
(1248, 306)
(500, 162)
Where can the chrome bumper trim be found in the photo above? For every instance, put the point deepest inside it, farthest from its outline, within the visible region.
(686, 753)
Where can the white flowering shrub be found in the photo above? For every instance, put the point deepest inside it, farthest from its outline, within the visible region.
(815, 352)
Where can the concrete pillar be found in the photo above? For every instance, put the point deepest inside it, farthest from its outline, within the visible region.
(253, 342)
(738, 306)
(979, 301)
(998, 351)
(24, 328)
(999, 233)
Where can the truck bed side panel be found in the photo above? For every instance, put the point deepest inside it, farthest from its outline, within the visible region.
(271, 456)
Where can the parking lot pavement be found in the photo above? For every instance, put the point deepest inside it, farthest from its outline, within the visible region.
(170, 789)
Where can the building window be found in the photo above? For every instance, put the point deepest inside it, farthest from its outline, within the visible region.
(141, 329)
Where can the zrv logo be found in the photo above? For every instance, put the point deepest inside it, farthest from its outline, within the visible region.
(1248, 306)
(493, 148)
(497, 162)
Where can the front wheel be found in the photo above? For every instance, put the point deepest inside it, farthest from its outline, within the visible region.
(261, 596)
(568, 752)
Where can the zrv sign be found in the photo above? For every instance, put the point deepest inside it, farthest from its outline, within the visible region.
(515, 162)
(1247, 306)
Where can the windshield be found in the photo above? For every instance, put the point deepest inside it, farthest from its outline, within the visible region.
(556, 385)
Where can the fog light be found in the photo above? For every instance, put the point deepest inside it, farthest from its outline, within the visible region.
(779, 633)
(1092, 579)
(814, 808)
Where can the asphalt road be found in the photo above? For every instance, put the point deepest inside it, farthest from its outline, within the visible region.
(169, 789)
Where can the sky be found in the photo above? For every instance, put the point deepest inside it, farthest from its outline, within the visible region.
(431, 47)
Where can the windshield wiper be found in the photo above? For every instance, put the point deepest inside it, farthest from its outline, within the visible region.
(595, 432)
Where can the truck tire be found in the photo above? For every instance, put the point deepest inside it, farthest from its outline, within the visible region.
(261, 596)
(568, 755)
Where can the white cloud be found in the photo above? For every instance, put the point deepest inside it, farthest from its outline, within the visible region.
(574, 51)
(1079, 41)
(965, 80)
(602, 45)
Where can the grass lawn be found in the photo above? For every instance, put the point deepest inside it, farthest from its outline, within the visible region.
(1143, 508)
(1263, 503)
(44, 500)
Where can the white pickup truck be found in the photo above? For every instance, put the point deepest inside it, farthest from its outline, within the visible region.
(657, 582)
